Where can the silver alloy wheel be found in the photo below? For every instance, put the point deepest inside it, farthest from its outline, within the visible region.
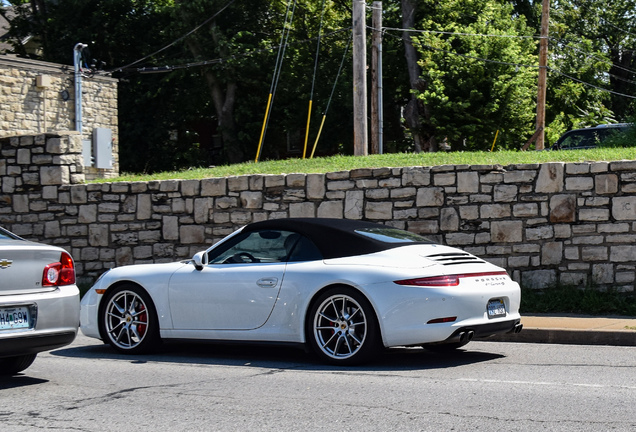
(126, 320)
(340, 326)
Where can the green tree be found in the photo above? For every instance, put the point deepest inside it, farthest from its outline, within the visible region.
(473, 85)
(204, 104)
(591, 63)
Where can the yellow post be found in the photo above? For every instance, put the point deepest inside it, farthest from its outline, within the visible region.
(307, 131)
(260, 141)
(318, 137)
(493, 143)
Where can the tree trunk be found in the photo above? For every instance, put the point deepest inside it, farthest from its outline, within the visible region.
(224, 100)
(415, 109)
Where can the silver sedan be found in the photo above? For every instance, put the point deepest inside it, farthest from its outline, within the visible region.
(39, 301)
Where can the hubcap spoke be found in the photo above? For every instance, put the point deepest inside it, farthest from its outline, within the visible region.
(340, 326)
(126, 319)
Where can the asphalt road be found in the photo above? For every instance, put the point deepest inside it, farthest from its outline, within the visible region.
(492, 386)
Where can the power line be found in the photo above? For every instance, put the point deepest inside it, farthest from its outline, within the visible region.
(618, 28)
(228, 4)
(591, 85)
(458, 34)
(525, 66)
(472, 57)
(567, 44)
(170, 68)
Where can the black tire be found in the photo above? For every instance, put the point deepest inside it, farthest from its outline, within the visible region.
(128, 320)
(14, 365)
(342, 328)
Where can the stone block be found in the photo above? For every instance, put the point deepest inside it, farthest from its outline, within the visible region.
(550, 178)
(238, 183)
(603, 273)
(54, 175)
(444, 179)
(416, 176)
(525, 176)
(494, 211)
(98, 235)
(305, 209)
(460, 239)
(430, 197)
(579, 183)
(467, 182)
(192, 234)
(506, 231)
(593, 215)
(202, 208)
(24, 156)
(57, 145)
(354, 204)
(622, 254)
(87, 213)
(538, 279)
(606, 184)
(340, 185)
(563, 208)
(624, 208)
(331, 209)
(505, 193)
(449, 220)
(214, 187)
(225, 203)
(296, 180)
(379, 210)
(170, 229)
(525, 210)
(551, 253)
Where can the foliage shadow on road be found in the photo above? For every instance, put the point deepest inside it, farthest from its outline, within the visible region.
(283, 357)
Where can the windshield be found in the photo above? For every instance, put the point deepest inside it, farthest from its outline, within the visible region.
(4, 235)
(392, 235)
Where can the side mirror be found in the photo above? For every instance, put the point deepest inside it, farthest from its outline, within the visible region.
(200, 259)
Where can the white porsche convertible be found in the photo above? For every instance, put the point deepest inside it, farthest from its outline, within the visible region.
(344, 288)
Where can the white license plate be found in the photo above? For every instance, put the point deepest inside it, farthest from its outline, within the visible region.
(15, 318)
(496, 308)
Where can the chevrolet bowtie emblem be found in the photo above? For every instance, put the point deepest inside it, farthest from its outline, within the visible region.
(5, 263)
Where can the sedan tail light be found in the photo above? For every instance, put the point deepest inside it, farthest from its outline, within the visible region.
(447, 280)
(59, 273)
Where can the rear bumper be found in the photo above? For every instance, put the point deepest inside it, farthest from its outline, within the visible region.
(35, 343)
(483, 331)
(56, 321)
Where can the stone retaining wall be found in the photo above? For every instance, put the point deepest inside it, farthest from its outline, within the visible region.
(554, 223)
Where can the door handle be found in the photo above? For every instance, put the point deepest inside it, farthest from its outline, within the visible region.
(270, 282)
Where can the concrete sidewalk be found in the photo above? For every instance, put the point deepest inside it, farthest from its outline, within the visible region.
(575, 329)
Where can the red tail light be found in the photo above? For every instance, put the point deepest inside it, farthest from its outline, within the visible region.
(447, 280)
(59, 273)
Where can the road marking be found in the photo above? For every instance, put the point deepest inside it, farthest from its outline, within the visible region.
(543, 383)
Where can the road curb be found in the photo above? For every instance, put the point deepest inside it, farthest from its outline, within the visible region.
(570, 337)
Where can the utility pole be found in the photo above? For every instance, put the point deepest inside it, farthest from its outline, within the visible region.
(543, 75)
(360, 135)
(376, 80)
(77, 61)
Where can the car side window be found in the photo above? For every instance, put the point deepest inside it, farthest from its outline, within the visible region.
(581, 139)
(266, 246)
(301, 249)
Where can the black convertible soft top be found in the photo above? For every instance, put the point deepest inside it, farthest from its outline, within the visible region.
(336, 238)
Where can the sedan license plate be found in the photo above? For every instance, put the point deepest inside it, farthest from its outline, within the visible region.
(496, 308)
(15, 318)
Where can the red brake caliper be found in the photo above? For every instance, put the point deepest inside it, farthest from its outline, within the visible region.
(141, 328)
